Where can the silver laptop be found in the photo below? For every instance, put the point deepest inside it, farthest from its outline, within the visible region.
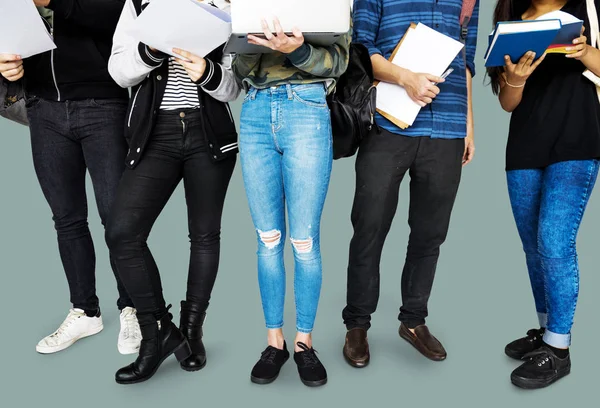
(323, 22)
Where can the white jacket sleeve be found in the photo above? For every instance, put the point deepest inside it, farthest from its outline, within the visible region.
(130, 61)
(219, 80)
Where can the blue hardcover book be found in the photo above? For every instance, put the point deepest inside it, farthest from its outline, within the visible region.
(515, 38)
(571, 29)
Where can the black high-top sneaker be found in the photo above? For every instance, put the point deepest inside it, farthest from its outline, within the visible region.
(190, 324)
(520, 347)
(160, 339)
(542, 368)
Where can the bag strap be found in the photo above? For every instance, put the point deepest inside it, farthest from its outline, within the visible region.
(594, 26)
(595, 39)
(465, 18)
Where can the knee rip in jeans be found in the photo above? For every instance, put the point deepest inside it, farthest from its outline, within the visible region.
(303, 246)
(271, 239)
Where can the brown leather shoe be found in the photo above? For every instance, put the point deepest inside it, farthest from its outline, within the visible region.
(356, 348)
(424, 341)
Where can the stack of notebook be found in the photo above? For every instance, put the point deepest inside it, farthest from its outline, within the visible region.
(551, 33)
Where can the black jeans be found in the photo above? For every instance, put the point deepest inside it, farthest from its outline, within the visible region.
(177, 150)
(68, 139)
(435, 167)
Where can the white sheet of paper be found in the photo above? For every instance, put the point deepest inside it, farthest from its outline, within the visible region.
(22, 30)
(185, 24)
(424, 50)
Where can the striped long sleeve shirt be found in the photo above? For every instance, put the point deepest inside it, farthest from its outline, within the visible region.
(381, 24)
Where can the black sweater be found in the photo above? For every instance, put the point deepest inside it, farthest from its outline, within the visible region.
(78, 68)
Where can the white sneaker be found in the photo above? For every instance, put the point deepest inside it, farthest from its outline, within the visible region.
(76, 326)
(130, 335)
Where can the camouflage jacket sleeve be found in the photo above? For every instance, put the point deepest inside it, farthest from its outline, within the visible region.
(244, 64)
(324, 62)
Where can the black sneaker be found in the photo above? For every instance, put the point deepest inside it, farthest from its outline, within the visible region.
(519, 348)
(312, 373)
(541, 369)
(267, 369)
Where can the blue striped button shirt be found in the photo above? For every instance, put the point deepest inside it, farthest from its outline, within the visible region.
(381, 24)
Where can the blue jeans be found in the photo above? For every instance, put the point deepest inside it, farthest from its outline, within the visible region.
(548, 206)
(286, 156)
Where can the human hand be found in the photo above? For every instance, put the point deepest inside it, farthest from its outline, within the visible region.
(11, 67)
(580, 47)
(421, 88)
(469, 146)
(279, 41)
(194, 66)
(517, 74)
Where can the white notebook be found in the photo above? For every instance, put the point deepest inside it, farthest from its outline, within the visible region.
(22, 30)
(423, 50)
(185, 24)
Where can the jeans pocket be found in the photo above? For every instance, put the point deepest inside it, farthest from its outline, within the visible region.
(314, 96)
(32, 102)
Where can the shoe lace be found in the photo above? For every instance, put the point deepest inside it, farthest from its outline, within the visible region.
(309, 355)
(69, 320)
(268, 356)
(130, 322)
(533, 335)
(540, 357)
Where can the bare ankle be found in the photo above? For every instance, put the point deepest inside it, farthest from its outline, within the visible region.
(275, 338)
(305, 338)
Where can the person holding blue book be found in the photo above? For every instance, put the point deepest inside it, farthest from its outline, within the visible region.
(552, 165)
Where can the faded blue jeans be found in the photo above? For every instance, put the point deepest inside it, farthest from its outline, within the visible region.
(286, 156)
(548, 206)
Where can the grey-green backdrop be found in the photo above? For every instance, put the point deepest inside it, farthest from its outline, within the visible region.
(480, 301)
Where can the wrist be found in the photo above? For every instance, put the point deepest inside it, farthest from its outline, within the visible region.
(515, 82)
(402, 76)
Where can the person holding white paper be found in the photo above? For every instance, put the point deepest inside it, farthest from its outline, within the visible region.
(76, 114)
(552, 164)
(179, 127)
(432, 151)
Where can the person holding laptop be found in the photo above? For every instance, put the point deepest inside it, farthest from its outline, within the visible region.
(432, 151)
(179, 127)
(551, 168)
(286, 155)
(76, 119)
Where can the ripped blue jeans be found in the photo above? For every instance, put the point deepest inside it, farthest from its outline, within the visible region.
(286, 156)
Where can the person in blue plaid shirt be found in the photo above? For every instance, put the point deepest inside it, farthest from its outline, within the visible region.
(432, 151)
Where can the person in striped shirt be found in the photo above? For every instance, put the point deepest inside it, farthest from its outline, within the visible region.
(179, 128)
(432, 151)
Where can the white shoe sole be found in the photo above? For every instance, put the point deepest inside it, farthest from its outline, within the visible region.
(125, 350)
(61, 347)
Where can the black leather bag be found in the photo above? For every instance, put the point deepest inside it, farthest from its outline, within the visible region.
(353, 103)
(12, 101)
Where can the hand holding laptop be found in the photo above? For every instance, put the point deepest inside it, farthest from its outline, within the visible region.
(280, 41)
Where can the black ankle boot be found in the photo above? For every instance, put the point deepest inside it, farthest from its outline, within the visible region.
(160, 339)
(190, 324)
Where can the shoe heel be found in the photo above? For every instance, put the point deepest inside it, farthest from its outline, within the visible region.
(183, 351)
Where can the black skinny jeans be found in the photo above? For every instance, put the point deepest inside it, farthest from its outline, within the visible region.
(435, 167)
(177, 150)
(69, 139)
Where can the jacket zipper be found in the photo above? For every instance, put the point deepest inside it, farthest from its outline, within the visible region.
(133, 105)
(52, 60)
